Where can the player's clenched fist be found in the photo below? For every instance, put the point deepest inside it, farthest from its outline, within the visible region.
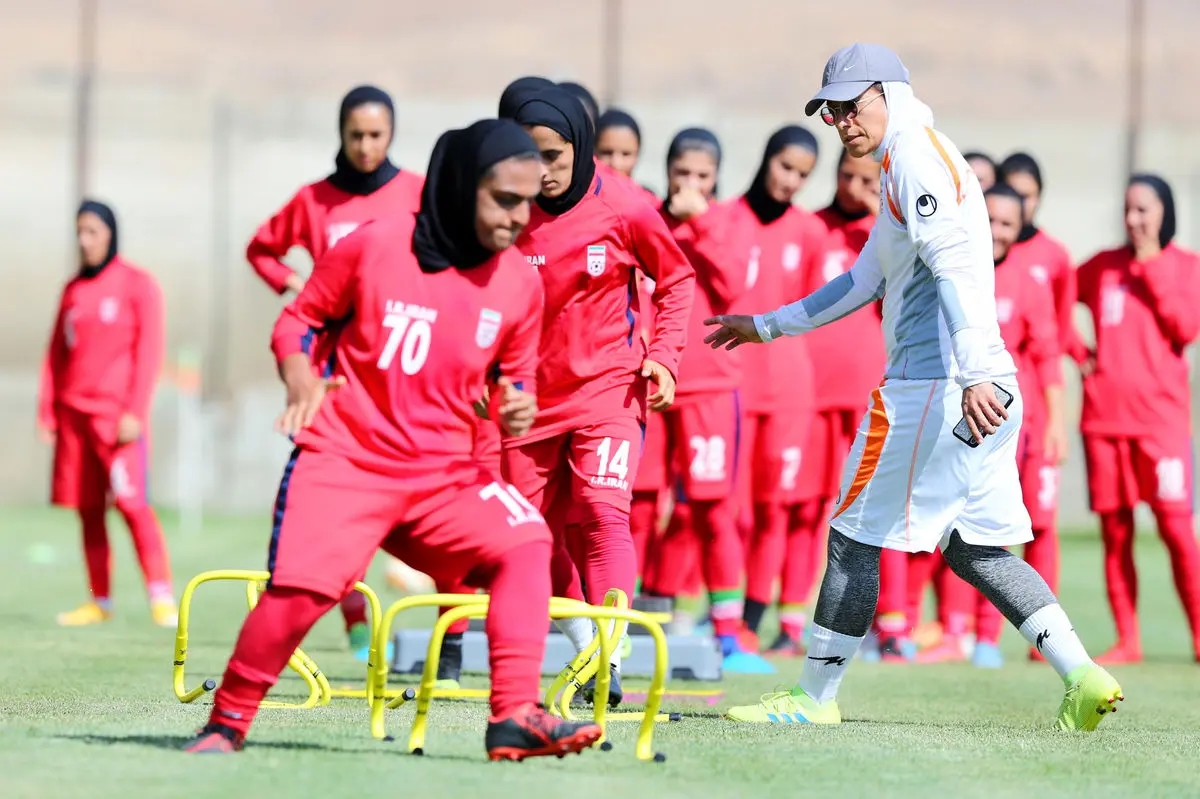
(733, 330)
(516, 410)
(305, 392)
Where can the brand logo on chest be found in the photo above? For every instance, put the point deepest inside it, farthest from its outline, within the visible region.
(1004, 310)
(1039, 273)
(488, 328)
(339, 230)
(791, 257)
(596, 259)
(109, 308)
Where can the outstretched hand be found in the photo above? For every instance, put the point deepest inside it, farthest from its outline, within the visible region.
(733, 331)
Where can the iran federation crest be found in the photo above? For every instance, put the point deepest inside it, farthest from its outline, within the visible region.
(1004, 310)
(489, 327)
(108, 310)
(596, 259)
(791, 257)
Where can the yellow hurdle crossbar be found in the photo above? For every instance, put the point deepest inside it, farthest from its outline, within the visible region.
(319, 691)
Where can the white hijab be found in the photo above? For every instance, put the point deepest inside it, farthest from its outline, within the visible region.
(904, 111)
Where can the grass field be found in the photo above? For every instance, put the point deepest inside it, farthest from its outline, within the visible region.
(90, 713)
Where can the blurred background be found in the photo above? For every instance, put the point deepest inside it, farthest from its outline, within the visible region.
(196, 121)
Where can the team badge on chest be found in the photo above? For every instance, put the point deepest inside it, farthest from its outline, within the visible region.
(791, 257)
(489, 327)
(1004, 310)
(108, 310)
(596, 260)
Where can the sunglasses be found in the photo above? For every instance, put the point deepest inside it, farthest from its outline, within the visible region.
(831, 114)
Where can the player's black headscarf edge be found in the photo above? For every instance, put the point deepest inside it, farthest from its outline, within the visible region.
(558, 110)
(760, 201)
(345, 175)
(109, 218)
(444, 235)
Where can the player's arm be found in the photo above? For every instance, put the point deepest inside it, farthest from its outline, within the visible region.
(674, 286)
(1042, 350)
(148, 353)
(720, 254)
(1174, 289)
(1073, 344)
(52, 366)
(512, 386)
(273, 240)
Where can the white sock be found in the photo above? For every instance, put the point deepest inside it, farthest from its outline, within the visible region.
(614, 658)
(1050, 631)
(829, 654)
(578, 629)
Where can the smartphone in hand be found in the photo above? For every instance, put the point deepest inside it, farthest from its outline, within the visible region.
(962, 430)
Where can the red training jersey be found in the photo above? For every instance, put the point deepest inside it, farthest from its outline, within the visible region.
(779, 377)
(415, 350)
(588, 258)
(1050, 264)
(106, 349)
(848, 356)
(717, 244)
(1144, 316)
(1025, 311)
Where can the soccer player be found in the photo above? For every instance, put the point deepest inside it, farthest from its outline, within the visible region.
(847, 362)
(777, 383)
(587, 237)
(619, 146)
(913, 483)
(365, 185)
(1050, 264)
(1144, 299)
(703, 428)
(384, 448)
(1025, 312)
(98, 378)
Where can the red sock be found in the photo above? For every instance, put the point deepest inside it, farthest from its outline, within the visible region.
(643, 523)
(458, 587)
(608, 553)
(721, 562)
(1180, 540)
(671, 561)
(516, 626)
(564, 577)
(1042, 554)
(989, 623)
(269, 636)
(766, 553)
(151, 548)
(1116, 528)
(804, 553)
(920, 572)
(892, 611)
(354, 609)
(956, 601)
(96, 552)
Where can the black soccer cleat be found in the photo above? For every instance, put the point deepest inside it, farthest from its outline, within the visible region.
(216, 739)
(615, 693)
(532, 732)
(450, 662)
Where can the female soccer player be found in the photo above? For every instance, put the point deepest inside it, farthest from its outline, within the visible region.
(703, 428)
(1050, 264)
(588, 236)
(777, 384)
(105, 354)
(1136, 425)
(365, 185)
(384, 449)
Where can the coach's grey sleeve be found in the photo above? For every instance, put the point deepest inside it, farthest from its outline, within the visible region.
(843, 295)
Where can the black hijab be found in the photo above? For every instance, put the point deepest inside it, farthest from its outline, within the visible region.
(518, 92)
(1021, 164)
(444, 235)
(616, 118)
(558, 110)
(108, 218)
(760, 201)
(581, 93)
(1157, 185)
(346, 176)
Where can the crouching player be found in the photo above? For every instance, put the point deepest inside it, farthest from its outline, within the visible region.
(383, 452)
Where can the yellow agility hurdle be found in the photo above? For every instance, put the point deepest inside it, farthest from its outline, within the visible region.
(320, 692)
(476, 606)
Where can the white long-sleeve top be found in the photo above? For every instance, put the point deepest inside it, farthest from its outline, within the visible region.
(929, 256)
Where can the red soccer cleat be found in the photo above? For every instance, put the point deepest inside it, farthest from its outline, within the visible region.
(532, 732)
(216, 739)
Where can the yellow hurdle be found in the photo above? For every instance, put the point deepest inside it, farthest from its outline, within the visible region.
(319, 691)
(463, 606)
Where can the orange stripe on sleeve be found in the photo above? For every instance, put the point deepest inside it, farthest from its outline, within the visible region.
(958, 193)
(892, 207)
(877, 430)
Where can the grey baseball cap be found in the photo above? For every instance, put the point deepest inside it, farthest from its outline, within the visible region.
(852, 70)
